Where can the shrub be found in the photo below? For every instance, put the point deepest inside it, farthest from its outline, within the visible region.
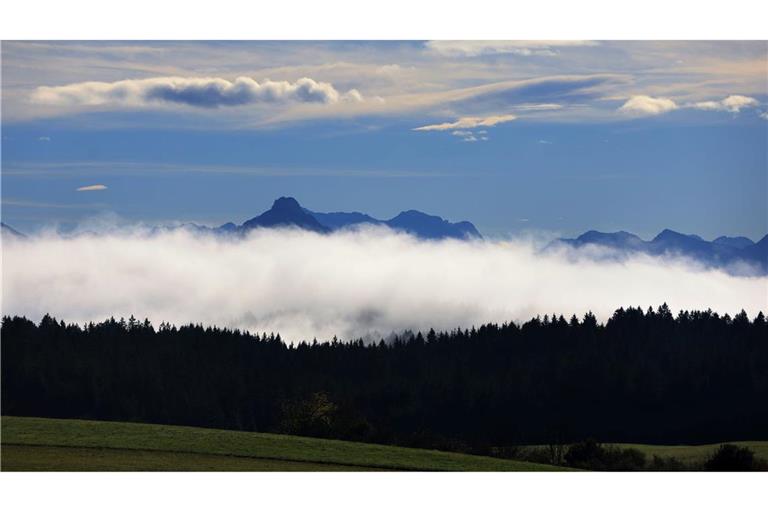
(730, 457)
(592, 455)
(588, 454)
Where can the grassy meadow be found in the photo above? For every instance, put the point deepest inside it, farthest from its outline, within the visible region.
(39, 444)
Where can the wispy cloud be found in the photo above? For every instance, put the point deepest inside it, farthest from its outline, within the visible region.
(468, 122)
(404, 78)
(91, 188)
(524, 48)
(648, 106)
(195, 92)
(22, 203)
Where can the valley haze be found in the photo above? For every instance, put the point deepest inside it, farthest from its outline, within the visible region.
(305, 280)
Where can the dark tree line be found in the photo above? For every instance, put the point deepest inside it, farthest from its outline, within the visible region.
(643, 376)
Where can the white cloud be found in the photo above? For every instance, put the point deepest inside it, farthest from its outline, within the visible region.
(468, 122)
(733, 103)
(538, 106)
(470, 136)
(266, 282)
(91, 188)
(708, 105)
(44, 139)
(525, 48)
(647, 105)
(764, 115)
(196, 92)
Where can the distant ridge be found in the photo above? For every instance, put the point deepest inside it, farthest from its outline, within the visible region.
(737, 255)
(414, 222)
(5, 229)
(722, 252)
(287, 212)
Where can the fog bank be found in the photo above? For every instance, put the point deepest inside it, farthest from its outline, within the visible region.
(369, 282)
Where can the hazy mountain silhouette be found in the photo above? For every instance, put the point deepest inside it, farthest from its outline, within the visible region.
(737, 242)
(432, 226)
(414, 222)
(285, 212)
(339, 220)
(619, 240)
(5, 229)
(722, 252)
(759, 251)
(729, 253)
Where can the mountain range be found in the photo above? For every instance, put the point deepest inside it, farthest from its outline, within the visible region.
(730, 253)
(287, 212)
(722, 252)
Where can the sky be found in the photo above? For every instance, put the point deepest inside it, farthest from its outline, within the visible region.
(554, 137)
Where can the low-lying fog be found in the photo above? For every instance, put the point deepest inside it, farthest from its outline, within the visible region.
(370, 282)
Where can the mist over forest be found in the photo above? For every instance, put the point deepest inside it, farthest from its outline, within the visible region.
(367, 283)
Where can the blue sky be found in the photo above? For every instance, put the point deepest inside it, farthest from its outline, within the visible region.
(558, 137)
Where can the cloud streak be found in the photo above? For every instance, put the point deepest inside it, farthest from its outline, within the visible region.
(524, 48)
(194, 92)
(387, 282)
(464, 123)
(91, 188)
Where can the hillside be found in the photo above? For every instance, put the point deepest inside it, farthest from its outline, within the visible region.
(30, 444)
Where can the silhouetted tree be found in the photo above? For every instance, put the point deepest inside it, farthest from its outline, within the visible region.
(730, 457)
(643, 376)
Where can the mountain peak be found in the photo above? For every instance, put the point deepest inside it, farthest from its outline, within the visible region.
(286, 204)
(285, 212)
(668, 234)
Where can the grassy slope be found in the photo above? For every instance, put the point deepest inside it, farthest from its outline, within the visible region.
(37, 443)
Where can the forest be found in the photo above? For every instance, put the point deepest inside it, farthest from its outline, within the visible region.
(642, 376)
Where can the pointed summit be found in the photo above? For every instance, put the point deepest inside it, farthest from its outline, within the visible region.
(285, 212)
(286, 204)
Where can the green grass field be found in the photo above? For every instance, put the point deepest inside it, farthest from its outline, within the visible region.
(38, 444)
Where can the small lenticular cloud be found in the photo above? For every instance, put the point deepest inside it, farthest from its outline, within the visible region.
(90, 188)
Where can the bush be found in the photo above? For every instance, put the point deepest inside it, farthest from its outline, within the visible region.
(629, 459)
(730, 457)
(586, 455)
(592, 455)
(313, 416)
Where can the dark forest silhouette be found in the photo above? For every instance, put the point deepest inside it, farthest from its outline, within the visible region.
(643, 376)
